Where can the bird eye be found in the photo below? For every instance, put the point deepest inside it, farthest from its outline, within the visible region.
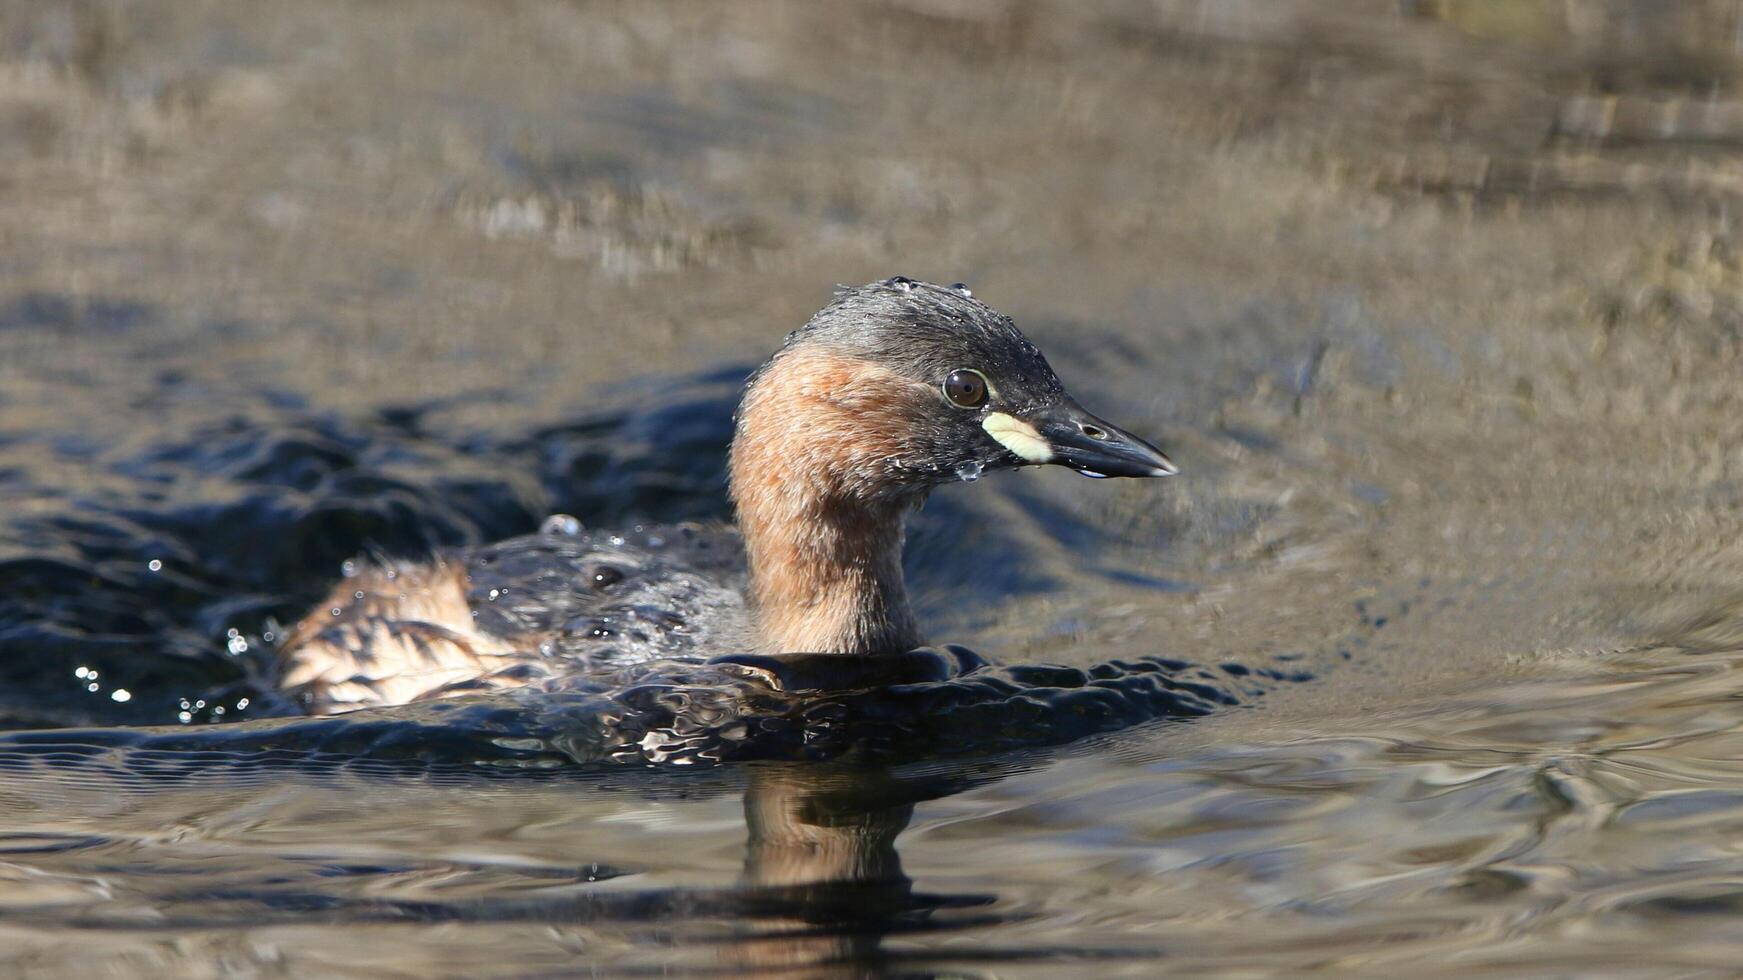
(965, 388)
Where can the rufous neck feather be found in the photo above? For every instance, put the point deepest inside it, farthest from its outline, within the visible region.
(822, 530)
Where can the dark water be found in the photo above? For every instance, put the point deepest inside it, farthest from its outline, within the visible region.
(1427, 661)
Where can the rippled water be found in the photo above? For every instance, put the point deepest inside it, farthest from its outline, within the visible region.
(1428, 656)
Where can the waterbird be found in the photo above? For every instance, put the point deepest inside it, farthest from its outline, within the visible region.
(891, 390)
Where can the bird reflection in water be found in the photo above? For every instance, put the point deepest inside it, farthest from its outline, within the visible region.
(824, 882)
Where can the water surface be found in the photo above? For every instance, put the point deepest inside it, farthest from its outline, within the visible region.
(1435, 303)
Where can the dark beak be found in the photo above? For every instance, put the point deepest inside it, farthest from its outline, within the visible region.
(1097, 448)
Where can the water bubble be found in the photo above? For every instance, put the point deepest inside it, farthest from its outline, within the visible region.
(155, 565)
(91, 687)
(348, 568)
(494, 593)
(184, 717)
(237, 646)
(121, 695)
(241, 703)
(81, 672)
(218, 710)
(336, 610)
(969, 472)
(358, 594)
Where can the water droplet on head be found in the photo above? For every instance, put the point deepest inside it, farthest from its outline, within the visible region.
(962, 288)
(970, 471)
(560, 524)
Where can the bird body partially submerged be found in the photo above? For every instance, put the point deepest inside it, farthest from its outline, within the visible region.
(521, 611)
(892, 389)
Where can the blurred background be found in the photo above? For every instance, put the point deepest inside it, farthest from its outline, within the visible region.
(1438, 303)
(392, 202)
